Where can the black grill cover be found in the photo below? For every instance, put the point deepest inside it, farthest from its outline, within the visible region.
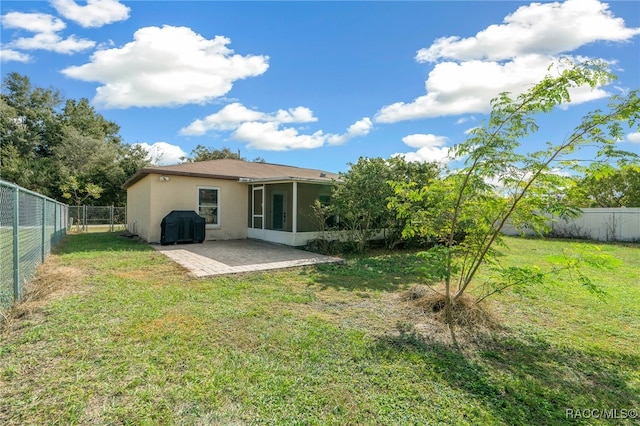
(182, 226)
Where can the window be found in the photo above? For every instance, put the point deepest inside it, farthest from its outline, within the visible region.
(209, 205)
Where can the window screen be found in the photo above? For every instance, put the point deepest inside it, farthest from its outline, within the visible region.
(208, 205)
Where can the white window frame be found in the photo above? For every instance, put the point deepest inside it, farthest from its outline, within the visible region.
(216, 188)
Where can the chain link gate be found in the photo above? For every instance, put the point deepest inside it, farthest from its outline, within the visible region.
(97, 218)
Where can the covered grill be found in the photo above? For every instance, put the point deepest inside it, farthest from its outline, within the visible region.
(182, 226)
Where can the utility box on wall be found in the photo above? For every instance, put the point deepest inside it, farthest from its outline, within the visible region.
(182, 226)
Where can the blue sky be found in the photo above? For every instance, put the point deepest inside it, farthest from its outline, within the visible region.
(314, 84)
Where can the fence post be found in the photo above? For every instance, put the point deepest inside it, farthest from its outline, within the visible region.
(111, 217)
(55, 223)
(44, 228)
(84, 218)
(16, 244)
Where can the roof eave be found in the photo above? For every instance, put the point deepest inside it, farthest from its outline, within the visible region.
(288, 179)
(141, 174)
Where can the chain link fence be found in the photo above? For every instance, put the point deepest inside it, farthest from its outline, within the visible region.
(30, 226)
(97, 218)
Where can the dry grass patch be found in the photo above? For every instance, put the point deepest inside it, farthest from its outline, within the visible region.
(171, 323)
(52, 281)
(473, 322)
(466, 312)
(155, 274)
(416, 311)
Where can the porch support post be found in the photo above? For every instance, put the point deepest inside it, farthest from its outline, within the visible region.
(264, 213)
(294, 224)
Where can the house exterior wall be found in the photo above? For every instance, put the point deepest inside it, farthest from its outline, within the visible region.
(138, 208)
(181, 193)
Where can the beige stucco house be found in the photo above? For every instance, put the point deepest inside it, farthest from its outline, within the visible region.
(238, 199)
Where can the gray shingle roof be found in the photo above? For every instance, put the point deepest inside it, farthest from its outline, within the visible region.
(234, 170)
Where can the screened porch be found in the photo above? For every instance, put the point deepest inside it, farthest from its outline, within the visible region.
(280, 211)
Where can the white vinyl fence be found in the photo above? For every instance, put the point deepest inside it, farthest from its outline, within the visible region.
(599, 224)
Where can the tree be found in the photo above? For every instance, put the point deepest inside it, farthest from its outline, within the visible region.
(81, 116)
(604, 185)
(85, 160)
(203, 153)
(131, 158)
(29, 119)
(79, 193)
(46, 141)
(525, 186)
(28, 133)
(90, 150)
(361, 198)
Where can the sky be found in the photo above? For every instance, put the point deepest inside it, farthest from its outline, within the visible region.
(315, 84)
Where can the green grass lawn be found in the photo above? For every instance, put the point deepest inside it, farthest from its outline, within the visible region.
(126, 337)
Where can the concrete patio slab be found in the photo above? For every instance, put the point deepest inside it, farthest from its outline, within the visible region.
(235, 256)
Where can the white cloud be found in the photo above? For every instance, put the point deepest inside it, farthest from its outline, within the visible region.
(294, 115)
(269, 136)
(46, 28)
(420, 140)
(232, 115)
(53, 42)
(468, 87)
(463, 120)
(431, 148)
(549, 28)
(163, 153)
(166, 66)
(510, 57)
(95, 13)
(33, 22)
(361, 127)
(7, 55)
(633, 137)
(584, 94)
(266, 131)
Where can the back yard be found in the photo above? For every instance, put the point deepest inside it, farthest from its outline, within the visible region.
(121, 335)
